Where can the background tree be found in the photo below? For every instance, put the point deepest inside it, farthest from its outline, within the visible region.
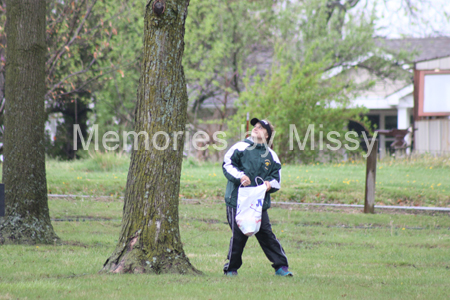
(336, 29)
(410, 18)
(90, 44)
(27, 216)
(299, 94)
(115, 103)
(150, 240)
(221, 38)
(220, 35)
(324, 46)
(81, 37)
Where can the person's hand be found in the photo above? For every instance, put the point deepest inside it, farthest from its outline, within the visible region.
(245, 180)
(268, 185)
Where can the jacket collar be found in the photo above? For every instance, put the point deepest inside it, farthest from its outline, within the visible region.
(250, 141)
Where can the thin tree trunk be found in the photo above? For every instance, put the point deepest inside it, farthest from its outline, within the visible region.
(150, 240)
(27, 216)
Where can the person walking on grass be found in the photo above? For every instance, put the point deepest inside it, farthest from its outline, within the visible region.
(242, 163)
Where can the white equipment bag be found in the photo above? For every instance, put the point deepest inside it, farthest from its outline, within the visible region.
(249, 207)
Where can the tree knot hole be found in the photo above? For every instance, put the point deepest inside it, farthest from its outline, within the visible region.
(159, 7)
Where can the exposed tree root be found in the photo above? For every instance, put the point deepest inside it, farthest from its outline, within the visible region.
(29, 232)
(131, 258)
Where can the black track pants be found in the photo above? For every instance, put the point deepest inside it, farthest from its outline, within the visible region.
(266, 238)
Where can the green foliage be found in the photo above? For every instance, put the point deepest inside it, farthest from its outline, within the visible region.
(100, 62)
(93, 58)
(220, 46)
(220, 37)
(323, 48)
(299, 95)
(115, 102)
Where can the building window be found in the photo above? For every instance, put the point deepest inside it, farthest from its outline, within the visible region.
(433, 93)
(390, 122)
(436, 93)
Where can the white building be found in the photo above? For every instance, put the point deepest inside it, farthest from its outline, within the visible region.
(423, 104)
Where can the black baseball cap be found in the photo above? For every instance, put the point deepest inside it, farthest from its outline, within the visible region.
(264, 124)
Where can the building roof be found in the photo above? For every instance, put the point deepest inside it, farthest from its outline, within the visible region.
(426, 48)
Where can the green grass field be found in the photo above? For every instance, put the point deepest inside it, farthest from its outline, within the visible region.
(333, 254)
(422, 181)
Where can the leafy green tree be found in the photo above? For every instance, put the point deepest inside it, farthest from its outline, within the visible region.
(82, 38)
(220, 35)
(299, 95)
(325, 49)
(219, 38)
(115, 102)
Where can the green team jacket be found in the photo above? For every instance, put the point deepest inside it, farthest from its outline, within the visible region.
(242, 160)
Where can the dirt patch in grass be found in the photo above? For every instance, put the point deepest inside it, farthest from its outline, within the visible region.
(210, 221)
(425, 246)
(357, 210)
(205, 220)
(310, 245)
(90, 198)
(73, 243)
(82, 219)
(395, 265)
(301, 244)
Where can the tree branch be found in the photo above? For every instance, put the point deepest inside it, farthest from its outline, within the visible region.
(52, 61)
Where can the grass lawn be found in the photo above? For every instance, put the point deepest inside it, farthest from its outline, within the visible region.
(421, 181)
(333, 254)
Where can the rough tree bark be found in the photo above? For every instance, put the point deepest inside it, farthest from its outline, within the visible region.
(150, 241)
(27, 217)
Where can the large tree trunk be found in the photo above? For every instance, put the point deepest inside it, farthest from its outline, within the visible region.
(150, 240)
(27, 216)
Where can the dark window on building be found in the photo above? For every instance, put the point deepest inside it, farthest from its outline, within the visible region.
(390, 122)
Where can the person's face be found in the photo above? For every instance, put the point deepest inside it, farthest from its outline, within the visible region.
(259, 133)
